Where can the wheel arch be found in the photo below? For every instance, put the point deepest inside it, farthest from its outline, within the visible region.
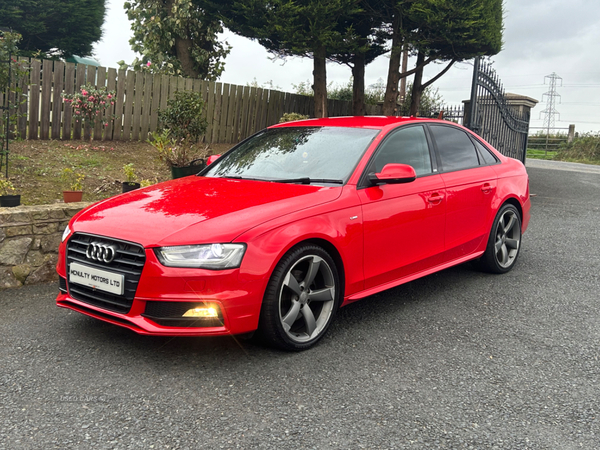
(488, 261)
(327, 246)
(513, 201)
(335, 255)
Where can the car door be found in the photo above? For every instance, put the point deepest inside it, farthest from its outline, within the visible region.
(470, 189)
(403, 223)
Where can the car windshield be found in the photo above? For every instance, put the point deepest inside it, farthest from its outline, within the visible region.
(296, 154)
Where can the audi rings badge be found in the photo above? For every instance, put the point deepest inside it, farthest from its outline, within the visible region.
(101, 252)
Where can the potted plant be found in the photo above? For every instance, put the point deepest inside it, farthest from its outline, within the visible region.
(74, 181)
(130, 182)
(181, 156)
(6, 199)
(183, 126)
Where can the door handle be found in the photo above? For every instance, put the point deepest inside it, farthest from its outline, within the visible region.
(486, 188)
(435, 199)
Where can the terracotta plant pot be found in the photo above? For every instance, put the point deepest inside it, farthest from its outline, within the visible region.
(9, 201)
(72, 196)
(130, 186)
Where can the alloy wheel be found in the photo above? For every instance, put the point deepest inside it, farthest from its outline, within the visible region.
(508, 239)
(307, 298)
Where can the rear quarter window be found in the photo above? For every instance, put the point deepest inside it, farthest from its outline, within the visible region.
(485, 153)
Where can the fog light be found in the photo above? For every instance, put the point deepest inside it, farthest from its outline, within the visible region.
(202, 311)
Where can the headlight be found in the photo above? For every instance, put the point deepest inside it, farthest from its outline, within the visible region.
(208, 256)
(65, 234)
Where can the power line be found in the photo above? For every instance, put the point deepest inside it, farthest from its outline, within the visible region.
(563, 85)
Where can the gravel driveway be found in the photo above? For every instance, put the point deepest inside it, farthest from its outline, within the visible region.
(456, 360)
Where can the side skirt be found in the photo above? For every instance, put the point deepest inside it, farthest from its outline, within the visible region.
(414, 276)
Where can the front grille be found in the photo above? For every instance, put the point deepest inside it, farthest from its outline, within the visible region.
(128, 261)
(169, 314)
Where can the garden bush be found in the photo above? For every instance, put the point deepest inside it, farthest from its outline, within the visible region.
(182, 118)
(585, 148)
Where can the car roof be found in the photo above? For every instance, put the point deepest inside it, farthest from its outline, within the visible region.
(377, 122)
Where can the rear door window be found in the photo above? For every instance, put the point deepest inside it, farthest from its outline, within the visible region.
(455, 148)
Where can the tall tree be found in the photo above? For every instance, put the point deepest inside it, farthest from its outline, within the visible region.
(364, 41)
(451, 31)
(438, 30)
(294, 28)
(54, 27)
(177, 37)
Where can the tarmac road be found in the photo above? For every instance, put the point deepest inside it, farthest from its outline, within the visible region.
(456, 360)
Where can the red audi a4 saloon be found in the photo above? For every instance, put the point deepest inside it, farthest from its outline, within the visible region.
(293, 223)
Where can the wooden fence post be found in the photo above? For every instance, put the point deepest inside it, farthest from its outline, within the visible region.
(146, 106)
(34, 98)
(67, 127)
(22, 110)
(217, 116)
(111, 85)
(128, 108)
(90, 78)
(100, 82)
(45, 99)
(57, 101)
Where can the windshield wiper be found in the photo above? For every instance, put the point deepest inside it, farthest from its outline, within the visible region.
(301, 180)
(307, 180)
(238, 177)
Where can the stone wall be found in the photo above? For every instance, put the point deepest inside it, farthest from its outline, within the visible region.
(29, 240)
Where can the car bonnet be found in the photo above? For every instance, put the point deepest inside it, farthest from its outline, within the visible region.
(197, 210)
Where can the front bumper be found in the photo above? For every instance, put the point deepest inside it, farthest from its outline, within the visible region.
(237, 295)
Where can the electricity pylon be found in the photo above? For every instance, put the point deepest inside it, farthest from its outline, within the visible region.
(550, 112)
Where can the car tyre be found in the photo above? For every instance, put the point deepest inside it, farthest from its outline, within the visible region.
(504, 242)
(301, 299)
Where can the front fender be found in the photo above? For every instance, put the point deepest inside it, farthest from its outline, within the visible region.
(341, 228)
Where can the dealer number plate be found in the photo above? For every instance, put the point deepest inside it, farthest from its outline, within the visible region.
(96, 278)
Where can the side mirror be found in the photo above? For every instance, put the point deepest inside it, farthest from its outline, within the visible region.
(393, 174)
(211, 159)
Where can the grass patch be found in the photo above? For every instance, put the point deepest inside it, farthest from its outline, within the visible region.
(35, 167)
(540, 154)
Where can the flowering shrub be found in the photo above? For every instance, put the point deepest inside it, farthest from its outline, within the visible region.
(89, 103)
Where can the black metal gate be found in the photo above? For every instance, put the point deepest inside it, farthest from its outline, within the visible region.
(492, 117)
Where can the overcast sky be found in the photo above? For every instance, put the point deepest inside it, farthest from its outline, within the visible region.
(541, 37)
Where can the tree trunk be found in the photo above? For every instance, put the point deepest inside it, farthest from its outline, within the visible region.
(417, 88)
(183, 46)
(402, 95)
(184, 55)
(391, 91)
(320, 82)
(358, 85)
